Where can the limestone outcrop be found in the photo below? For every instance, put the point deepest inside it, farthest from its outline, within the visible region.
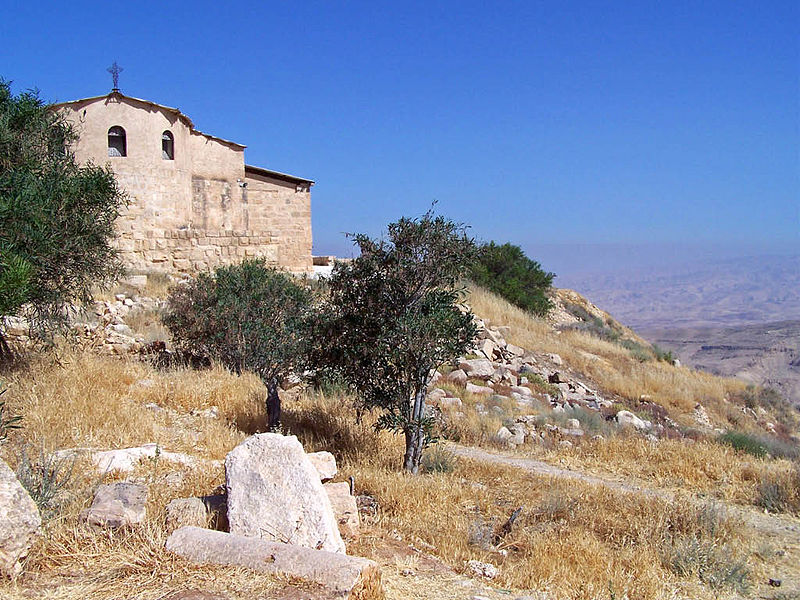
(19, 523)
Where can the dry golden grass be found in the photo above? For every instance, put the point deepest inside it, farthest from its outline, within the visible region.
(79, 399)
(702, 467)
(574, 540)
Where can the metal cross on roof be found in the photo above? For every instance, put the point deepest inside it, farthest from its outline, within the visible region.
(115, 70)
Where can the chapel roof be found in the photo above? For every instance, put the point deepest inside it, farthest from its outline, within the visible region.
(187, 121)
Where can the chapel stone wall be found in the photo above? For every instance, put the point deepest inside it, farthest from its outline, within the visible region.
(194, 212)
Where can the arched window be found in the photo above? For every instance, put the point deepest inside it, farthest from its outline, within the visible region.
(167, 146)
(117, 145)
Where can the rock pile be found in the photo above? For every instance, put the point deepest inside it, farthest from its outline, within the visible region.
(280, 517)
(504, 372)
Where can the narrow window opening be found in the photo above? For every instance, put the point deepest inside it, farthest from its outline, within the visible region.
(117, 145)
(167, 146)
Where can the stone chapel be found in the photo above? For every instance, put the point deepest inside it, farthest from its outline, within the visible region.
(193, 202)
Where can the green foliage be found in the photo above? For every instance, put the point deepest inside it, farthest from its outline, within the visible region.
(759, 445)
(46, 480)
(592, 324)
(392, 317)
(56, 217)
(248, 316)
(7, 422)
(507, 271)
(663, 355)
(744, 443)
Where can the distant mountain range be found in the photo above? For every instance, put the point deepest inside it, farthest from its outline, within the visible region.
(740, 291)
(737, 317)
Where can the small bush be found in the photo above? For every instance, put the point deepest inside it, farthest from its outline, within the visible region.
(7, 422)
(481, 533)
(538, 384)
(46, 480)
(248, 316)
(438, 460)
(714, 564)
(744, 443)
(780, 492)
(759, 446)
(663, 355)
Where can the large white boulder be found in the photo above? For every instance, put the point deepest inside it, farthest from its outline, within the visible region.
(19, 523)
(625, 418)
(479, 368)
(275, 493)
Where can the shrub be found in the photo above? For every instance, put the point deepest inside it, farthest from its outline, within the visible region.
(714, 564)
(438, 460)
(663, 355)
(249, 317)
(780, 492)
(46, 480)
(507, 271)
(56, 217)
(7, 422)
(759, 446)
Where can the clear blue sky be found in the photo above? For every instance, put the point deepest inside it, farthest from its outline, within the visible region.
(545, 124)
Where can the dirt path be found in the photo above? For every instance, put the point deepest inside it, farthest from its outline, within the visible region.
(779, 531)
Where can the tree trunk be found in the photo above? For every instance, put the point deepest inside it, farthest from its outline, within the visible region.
(415, 437)
(273, 405)
(6, 354)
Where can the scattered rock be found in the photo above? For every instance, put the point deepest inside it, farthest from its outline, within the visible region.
(479, 368)
(573, 424)
(488, 348)
(345, 576)
(471, 388)
(345, 508)
(116, 505)
(185, 512)
(436, 394)
(126, 459)
(701, 416)
(450, 402)
(626, 418)
(503, 435)
(515, 350)
(556, 359)
(19, 524)
(274, 492)
(482, 569)
(457, 376)
(324, 463)
(521, 390)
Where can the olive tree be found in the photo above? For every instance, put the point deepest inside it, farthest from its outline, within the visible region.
(247, 316)
(393, 317)
(56, 217)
